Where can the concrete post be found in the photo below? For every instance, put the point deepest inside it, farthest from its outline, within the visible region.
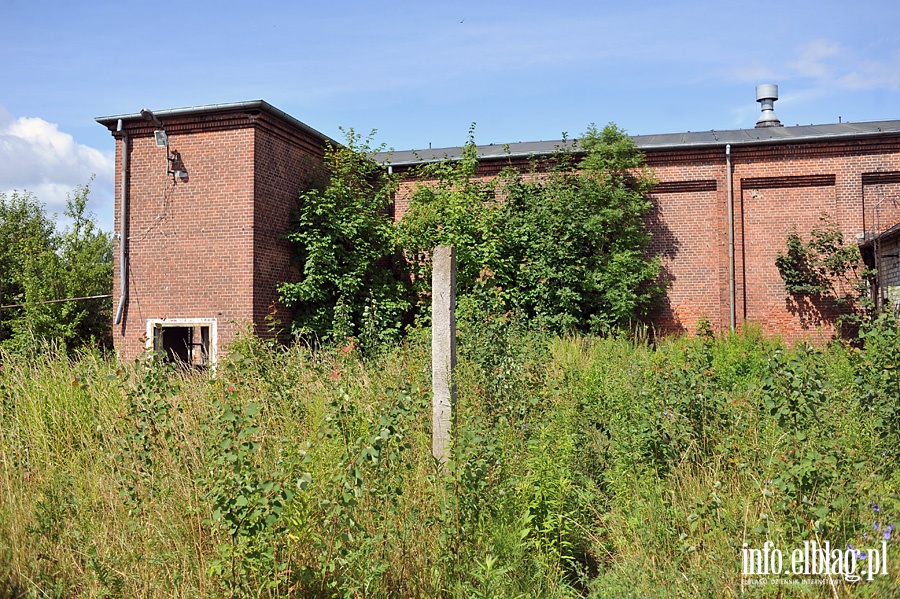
(443, 348)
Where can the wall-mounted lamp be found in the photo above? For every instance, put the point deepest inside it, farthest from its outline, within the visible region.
(148, 115)
(162, 140)
(175, 167)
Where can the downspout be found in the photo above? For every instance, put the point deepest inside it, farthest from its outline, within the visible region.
(729, 183)
(123, 210)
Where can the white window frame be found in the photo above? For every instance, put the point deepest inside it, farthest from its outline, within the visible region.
(212, 323)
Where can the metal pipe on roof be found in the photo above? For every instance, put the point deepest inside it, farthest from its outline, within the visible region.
(729, 185)
(123, 212)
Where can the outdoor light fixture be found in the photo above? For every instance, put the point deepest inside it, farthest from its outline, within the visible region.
(148, 115)
(162, 140)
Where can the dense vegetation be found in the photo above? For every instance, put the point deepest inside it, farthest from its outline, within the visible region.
(40, 264)
(566, 249)
(583, 466)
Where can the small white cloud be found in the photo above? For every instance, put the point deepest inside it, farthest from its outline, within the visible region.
(756, 72)
(36, 156)
(812, 61)
(872, 75)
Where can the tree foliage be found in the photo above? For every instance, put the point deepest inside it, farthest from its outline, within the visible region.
(567, 247)
(824, 266)
(452, 206)
(350, 285)
(39, 264)
(826, 276)
(564, 245)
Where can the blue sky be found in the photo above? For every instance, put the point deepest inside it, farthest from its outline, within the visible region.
(420, 73)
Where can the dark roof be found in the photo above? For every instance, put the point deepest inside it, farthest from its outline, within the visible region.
(260, 105)
(763, 135)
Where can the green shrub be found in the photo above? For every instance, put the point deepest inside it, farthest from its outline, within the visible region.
(351, 276)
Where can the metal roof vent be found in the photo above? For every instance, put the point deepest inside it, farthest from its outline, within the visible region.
(766, 96)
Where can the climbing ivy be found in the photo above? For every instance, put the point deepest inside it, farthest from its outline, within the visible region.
(826, 273)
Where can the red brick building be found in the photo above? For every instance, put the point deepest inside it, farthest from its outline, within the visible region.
(198, 221)
(203, 215)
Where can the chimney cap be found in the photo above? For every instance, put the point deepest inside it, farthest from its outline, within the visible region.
(766, 95)
(767, 91)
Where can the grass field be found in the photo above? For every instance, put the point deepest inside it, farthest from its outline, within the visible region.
(582, 467)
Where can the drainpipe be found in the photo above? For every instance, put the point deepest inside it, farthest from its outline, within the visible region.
(729, 183)
(123, 210)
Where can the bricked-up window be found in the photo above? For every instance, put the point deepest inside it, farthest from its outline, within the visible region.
(190, 342)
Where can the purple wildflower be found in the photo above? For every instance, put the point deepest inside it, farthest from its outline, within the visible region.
(875, 507)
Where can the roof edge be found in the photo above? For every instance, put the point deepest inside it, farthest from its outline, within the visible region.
(451, 153)
(110, 121)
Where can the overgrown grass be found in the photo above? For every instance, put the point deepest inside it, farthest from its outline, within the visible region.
(598, 467)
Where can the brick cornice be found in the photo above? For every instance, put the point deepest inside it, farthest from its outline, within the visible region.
(882, 144)
(686, 186)
(276, 128)
(881, 178)
(781, 182)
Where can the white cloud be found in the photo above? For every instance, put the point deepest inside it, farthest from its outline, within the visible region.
(813, 59)
(36, 156)
(830, 65)
(873, 75)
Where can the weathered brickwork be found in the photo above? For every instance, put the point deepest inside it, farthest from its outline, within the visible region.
(190, 245)
(285, 163)
(777, 188)
(211, 246)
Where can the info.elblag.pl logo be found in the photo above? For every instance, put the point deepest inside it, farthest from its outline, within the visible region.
(815, 559)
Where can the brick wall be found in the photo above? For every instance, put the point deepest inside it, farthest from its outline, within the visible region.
(209, 247)
(190, 244)
(777, 188)
(286, 161)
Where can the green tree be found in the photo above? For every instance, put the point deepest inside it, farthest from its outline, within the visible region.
(565, 244)
(452, 206)
(577, 244)
(27, 247)
(352, 282)
(39, 264)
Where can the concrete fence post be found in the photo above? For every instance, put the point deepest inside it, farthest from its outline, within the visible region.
(443, 349)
